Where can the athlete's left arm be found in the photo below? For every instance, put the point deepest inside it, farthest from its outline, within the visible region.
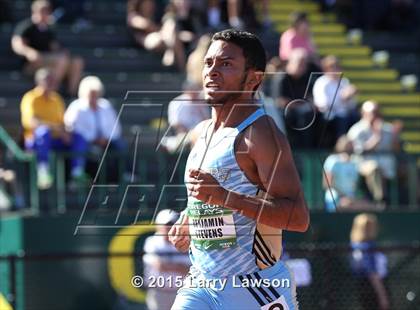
(270, 151)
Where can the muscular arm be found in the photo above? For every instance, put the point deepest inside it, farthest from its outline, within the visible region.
(270, 153)
(21, 48)
(137, 20)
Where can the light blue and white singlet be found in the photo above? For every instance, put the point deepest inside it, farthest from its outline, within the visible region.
(226, 244)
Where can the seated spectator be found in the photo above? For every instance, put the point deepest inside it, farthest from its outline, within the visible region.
(241, 14)
(368, 265)
(234, 17)
(294, 86)
(273, 75)
(341, 178)
(184, 113)
(42, 112)
(36, 42)
(372, 136)
(238, 14)
(93, 117)
(149, 33)
(5, 199)
(162, 259)
(270, 108)
(297, 36)
(188, 22)
(294, 83)
(334, 98)
(187, 110)
(11, 195)
(71, 12)
(264, 9)
(220, 14)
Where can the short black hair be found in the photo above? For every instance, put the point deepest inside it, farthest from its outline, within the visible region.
(298, 17)
(250, 44)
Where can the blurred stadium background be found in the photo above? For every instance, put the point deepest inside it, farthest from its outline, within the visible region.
(65, 250)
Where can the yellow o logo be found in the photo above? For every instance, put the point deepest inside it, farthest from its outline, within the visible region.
(122, 269)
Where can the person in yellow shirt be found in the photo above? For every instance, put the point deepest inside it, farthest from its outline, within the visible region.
(42, 116)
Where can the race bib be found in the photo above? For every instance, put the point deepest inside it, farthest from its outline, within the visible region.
(211, 226)
(279, 304)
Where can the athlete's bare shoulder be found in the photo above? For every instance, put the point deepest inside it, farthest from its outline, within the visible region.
(269, 151)
(264, 135)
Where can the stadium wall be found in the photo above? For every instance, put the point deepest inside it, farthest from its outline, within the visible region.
(61, 270)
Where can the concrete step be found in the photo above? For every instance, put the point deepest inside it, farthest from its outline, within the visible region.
(371, 75)
(413, 112)
(412, 136)
(357, 63)
(412, 148)
(98, 36)
(141, 111)
(332, 40)
(368, 87)
(289, 7)
(387, 99)
(96, 11)
(318, 29)
(278, 16)
(117, 86)
(346, 51)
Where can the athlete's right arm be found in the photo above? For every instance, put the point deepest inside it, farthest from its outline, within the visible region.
(179, 234)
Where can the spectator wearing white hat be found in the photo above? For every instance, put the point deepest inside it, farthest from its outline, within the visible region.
(184, 113)
(334, 96)
(162, 259)
(94, 118)
(376, 142)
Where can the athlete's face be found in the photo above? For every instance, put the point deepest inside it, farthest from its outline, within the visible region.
(224, 74)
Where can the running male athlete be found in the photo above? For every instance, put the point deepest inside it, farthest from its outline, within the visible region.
(243, 190)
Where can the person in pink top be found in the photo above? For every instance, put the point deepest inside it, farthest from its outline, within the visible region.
(297, 36)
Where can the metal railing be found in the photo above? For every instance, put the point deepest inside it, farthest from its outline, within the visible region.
(161, 169)
(23, 158)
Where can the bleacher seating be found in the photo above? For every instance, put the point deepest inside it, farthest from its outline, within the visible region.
(108, 51)
(373, 82)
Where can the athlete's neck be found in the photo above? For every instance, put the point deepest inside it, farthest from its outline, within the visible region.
(232, 114)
